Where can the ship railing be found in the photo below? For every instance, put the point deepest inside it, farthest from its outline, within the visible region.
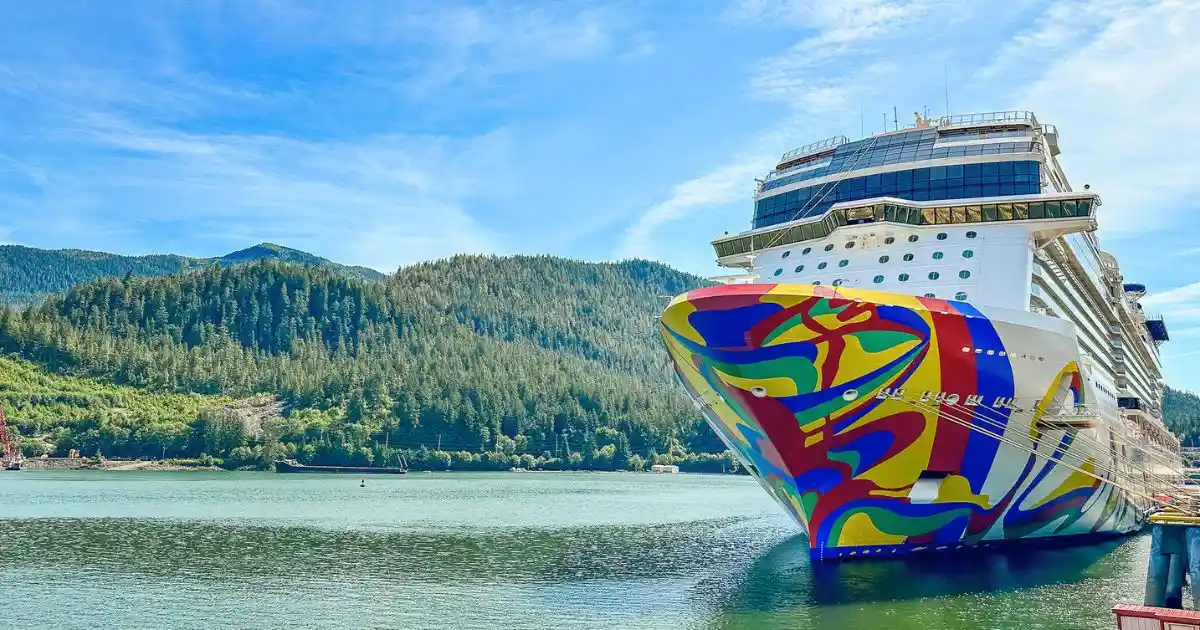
(813, 148)
(987, 118)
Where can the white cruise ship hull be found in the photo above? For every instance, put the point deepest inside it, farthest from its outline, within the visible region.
(887, 423)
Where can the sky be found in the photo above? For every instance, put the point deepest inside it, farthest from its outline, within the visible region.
(385, 133)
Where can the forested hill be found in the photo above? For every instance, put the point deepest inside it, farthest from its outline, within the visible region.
(28, 274)
(1181, 412)
(536, 359)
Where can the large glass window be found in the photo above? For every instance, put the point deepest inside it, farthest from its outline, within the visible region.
(993, 179)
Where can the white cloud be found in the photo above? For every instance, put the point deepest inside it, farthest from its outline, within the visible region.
(815, 91)
(726, 184)
(380, 201)
(1124, 94)
(1178, 295)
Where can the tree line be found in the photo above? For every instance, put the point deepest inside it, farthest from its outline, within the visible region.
(470, 362)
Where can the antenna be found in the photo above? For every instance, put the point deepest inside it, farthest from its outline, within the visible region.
(946, 80)
(862, 124)
(884, 122)
(895, 118)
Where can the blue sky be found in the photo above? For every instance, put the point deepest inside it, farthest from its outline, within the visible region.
(382, 133)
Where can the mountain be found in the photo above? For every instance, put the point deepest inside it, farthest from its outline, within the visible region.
(28, 274)
(271, 251)
(469, 362)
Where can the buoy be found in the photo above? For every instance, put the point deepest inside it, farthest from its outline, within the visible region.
(363, 484)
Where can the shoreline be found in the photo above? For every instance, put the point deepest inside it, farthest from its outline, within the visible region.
(81, 463)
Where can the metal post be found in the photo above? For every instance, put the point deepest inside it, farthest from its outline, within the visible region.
(1174, 598)
(1156, 572)
(1193, 544)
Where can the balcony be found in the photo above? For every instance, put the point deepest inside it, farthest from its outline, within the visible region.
(1130, 403)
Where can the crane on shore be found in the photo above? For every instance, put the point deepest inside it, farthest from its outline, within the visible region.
(10, 453)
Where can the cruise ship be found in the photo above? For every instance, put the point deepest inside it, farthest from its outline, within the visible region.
(922, 346)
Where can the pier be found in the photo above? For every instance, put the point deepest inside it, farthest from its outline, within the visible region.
(1174, 560)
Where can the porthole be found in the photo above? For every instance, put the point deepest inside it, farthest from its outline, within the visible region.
(838, 282)
(960, 296)
(843, 262)
(799, 268)
(903, 277)
(877, 279)
(787, 253)
(829, 247)
(822, 265)
(889, 240)
(883, 259)
(933, 275)
(964, 274)
(849, 244)
(912, 238)
(816, 282)
(930, 295)
(778, 271)
(938, 255)
(806, 250)
(941, 236)
(968, 253)
(758, 391)
(971, 234)
(908, 257)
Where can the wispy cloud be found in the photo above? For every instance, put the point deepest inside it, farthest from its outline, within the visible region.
(171, 142)
(1124, 76)
(815, 79)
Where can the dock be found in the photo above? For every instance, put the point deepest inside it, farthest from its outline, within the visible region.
(1174, 560)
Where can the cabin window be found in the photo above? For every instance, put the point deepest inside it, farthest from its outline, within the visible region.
(889, 240)
(912, 238)
(908, 257)
(843, 262)
(806, 250)
(968, 253)
(787, 253)
(971, 234)
(941, 236)
(883, 259)
(877, 279)
(829, 247)
(778, 271)
(822, 265)
(933, 275)
(960, 296)
(799, 268)
(849, 244)
(903, 277)
(938, 255)
(964, 274)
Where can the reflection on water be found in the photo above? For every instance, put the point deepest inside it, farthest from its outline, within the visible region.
(494, 551)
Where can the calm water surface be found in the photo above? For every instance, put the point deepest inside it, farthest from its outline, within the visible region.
(449, 551)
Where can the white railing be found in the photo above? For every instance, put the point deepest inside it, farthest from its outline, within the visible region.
(987, 118)
(814, 147)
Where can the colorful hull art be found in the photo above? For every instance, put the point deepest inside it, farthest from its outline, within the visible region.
(819, 392)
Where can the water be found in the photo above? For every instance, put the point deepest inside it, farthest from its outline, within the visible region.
(506, 550)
